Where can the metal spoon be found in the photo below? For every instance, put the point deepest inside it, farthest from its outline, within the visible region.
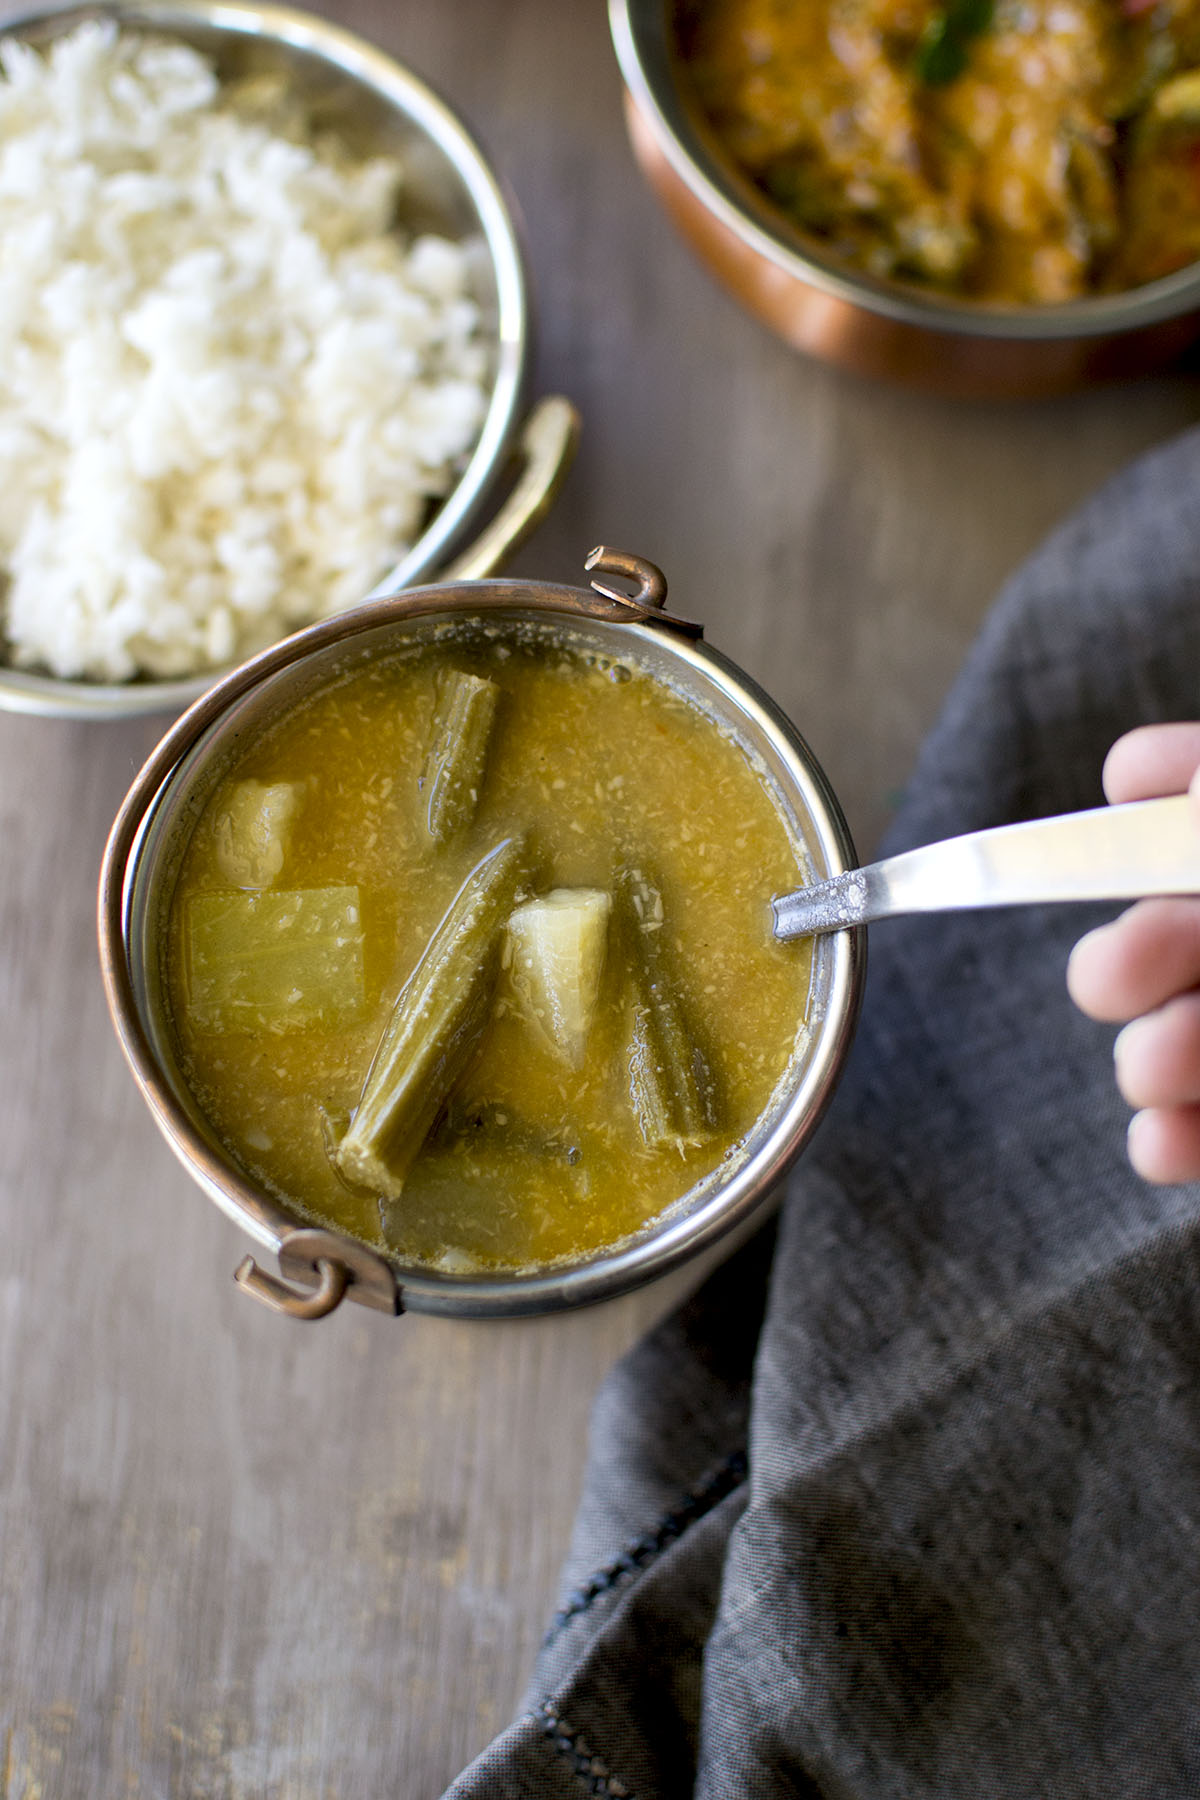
(1113, 853)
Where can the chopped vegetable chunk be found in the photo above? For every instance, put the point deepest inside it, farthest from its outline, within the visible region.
(557, 947)
(435, 1028)
(670, 1082)
(274, 961)
(453, 774)
(253, 829)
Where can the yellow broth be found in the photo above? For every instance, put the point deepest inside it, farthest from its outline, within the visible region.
(602, 766)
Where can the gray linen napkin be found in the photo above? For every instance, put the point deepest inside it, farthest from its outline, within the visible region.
(906, 1501)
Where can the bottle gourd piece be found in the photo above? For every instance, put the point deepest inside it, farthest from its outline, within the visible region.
(253, 830)
(274, 959)
(556, 951)
(435, 1028)
(452, 777)
(671, 1085)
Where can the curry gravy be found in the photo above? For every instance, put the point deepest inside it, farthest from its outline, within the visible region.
(1008, 151)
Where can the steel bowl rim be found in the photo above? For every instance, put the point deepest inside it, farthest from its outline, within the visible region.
(499, 225)
(648, 1255)
(632, 25)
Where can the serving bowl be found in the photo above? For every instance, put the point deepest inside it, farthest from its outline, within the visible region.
(374, 105)
(843, 316)
(144, 855)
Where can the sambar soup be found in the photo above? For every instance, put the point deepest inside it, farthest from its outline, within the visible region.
(469, 954)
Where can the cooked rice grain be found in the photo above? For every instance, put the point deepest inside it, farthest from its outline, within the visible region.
(228, 390)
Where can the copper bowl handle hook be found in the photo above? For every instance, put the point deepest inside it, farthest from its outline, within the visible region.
(312, 1303)
(648, 578)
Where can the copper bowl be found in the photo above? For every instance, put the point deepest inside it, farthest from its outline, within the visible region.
(819, 305)
(155, 821)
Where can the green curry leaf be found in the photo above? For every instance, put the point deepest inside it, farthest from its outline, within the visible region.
(942, 51)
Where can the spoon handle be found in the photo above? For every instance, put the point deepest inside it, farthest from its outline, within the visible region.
(1113, 853)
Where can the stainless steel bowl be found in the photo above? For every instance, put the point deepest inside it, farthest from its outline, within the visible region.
(152, 829)
(374, 105)
(874, 327)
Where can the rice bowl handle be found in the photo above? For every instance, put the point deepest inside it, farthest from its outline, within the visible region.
(544, 454)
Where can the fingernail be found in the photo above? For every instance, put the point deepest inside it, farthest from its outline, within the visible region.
(1126, 1039)
(1077, 964)
(1133, 1132)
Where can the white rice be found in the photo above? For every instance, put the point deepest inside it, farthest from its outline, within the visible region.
(227, 389)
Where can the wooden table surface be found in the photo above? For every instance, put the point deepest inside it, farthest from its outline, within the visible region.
(245, 1557)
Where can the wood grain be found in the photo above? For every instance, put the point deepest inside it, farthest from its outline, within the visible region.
(241, 1557)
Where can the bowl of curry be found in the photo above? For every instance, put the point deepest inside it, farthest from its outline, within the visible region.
(438, 940)
(981, 196)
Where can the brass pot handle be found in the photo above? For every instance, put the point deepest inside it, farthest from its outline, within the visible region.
(320, 1269)
(308, 1303)
(546, 449)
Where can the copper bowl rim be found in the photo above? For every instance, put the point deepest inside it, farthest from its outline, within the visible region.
(641, 38)
(735, 1204)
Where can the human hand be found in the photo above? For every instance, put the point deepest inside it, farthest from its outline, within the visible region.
(1145, 968)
